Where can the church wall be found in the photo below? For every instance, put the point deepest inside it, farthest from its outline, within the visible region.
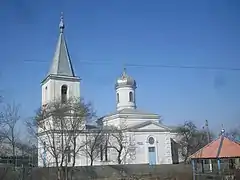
(44, 156)
(53, 90)
(40, 153)
(138, 142)
(140, 155)
(162, 146)
(177, 138)
(81, 159)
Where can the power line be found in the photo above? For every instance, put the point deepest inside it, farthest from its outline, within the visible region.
(185, 67)
(150, 65)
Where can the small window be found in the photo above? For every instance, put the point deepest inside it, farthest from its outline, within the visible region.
(46, 94)
(151, 140)
(130, 97)
(64, 94)
(117, 97)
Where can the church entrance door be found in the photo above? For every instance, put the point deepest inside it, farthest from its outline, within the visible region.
(151, 155)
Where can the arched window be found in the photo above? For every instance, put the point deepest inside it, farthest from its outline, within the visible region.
(130, 97)
(151, 140)
(46, 97)
(64, 94)
(117, 97)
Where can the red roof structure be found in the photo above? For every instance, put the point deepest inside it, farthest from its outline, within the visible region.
(219, 148)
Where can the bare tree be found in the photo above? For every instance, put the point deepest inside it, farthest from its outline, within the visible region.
(117, 142)
(122, 142)
(93, 143)
(234, 134)
(58, 127)
(9, 132)
(191, 139)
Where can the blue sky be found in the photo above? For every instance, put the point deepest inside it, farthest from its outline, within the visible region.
(104, 35)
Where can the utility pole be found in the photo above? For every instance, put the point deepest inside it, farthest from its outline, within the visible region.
(208, 139)
(207, 130)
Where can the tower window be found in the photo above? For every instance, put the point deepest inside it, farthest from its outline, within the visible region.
(46, 94)
(130, 97)
(117, 97)
(64, 94)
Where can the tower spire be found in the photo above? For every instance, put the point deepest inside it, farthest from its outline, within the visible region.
(61, 24)
(61, 63)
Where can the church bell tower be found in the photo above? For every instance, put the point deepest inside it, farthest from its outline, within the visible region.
(61, 82)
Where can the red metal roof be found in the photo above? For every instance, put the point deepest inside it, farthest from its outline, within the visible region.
(219, 148)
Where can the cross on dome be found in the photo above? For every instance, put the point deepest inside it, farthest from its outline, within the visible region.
(61, 24)
(124, 73)
(125, 80)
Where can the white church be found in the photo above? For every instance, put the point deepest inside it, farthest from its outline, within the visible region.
(152, 142)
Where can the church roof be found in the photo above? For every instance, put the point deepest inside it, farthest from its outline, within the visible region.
(125, 80)
(132, 111)
(129, 112)
(146, 123)
(61, 63)
(222, 147)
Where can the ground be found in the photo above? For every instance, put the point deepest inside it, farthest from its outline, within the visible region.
(114, 172)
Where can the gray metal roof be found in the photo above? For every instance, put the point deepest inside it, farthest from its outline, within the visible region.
(148, 123)
(129, 111)
(61, 63)
(134, 111)
(125, 80)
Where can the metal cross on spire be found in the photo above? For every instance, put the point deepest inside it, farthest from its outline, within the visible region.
(61, 24)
